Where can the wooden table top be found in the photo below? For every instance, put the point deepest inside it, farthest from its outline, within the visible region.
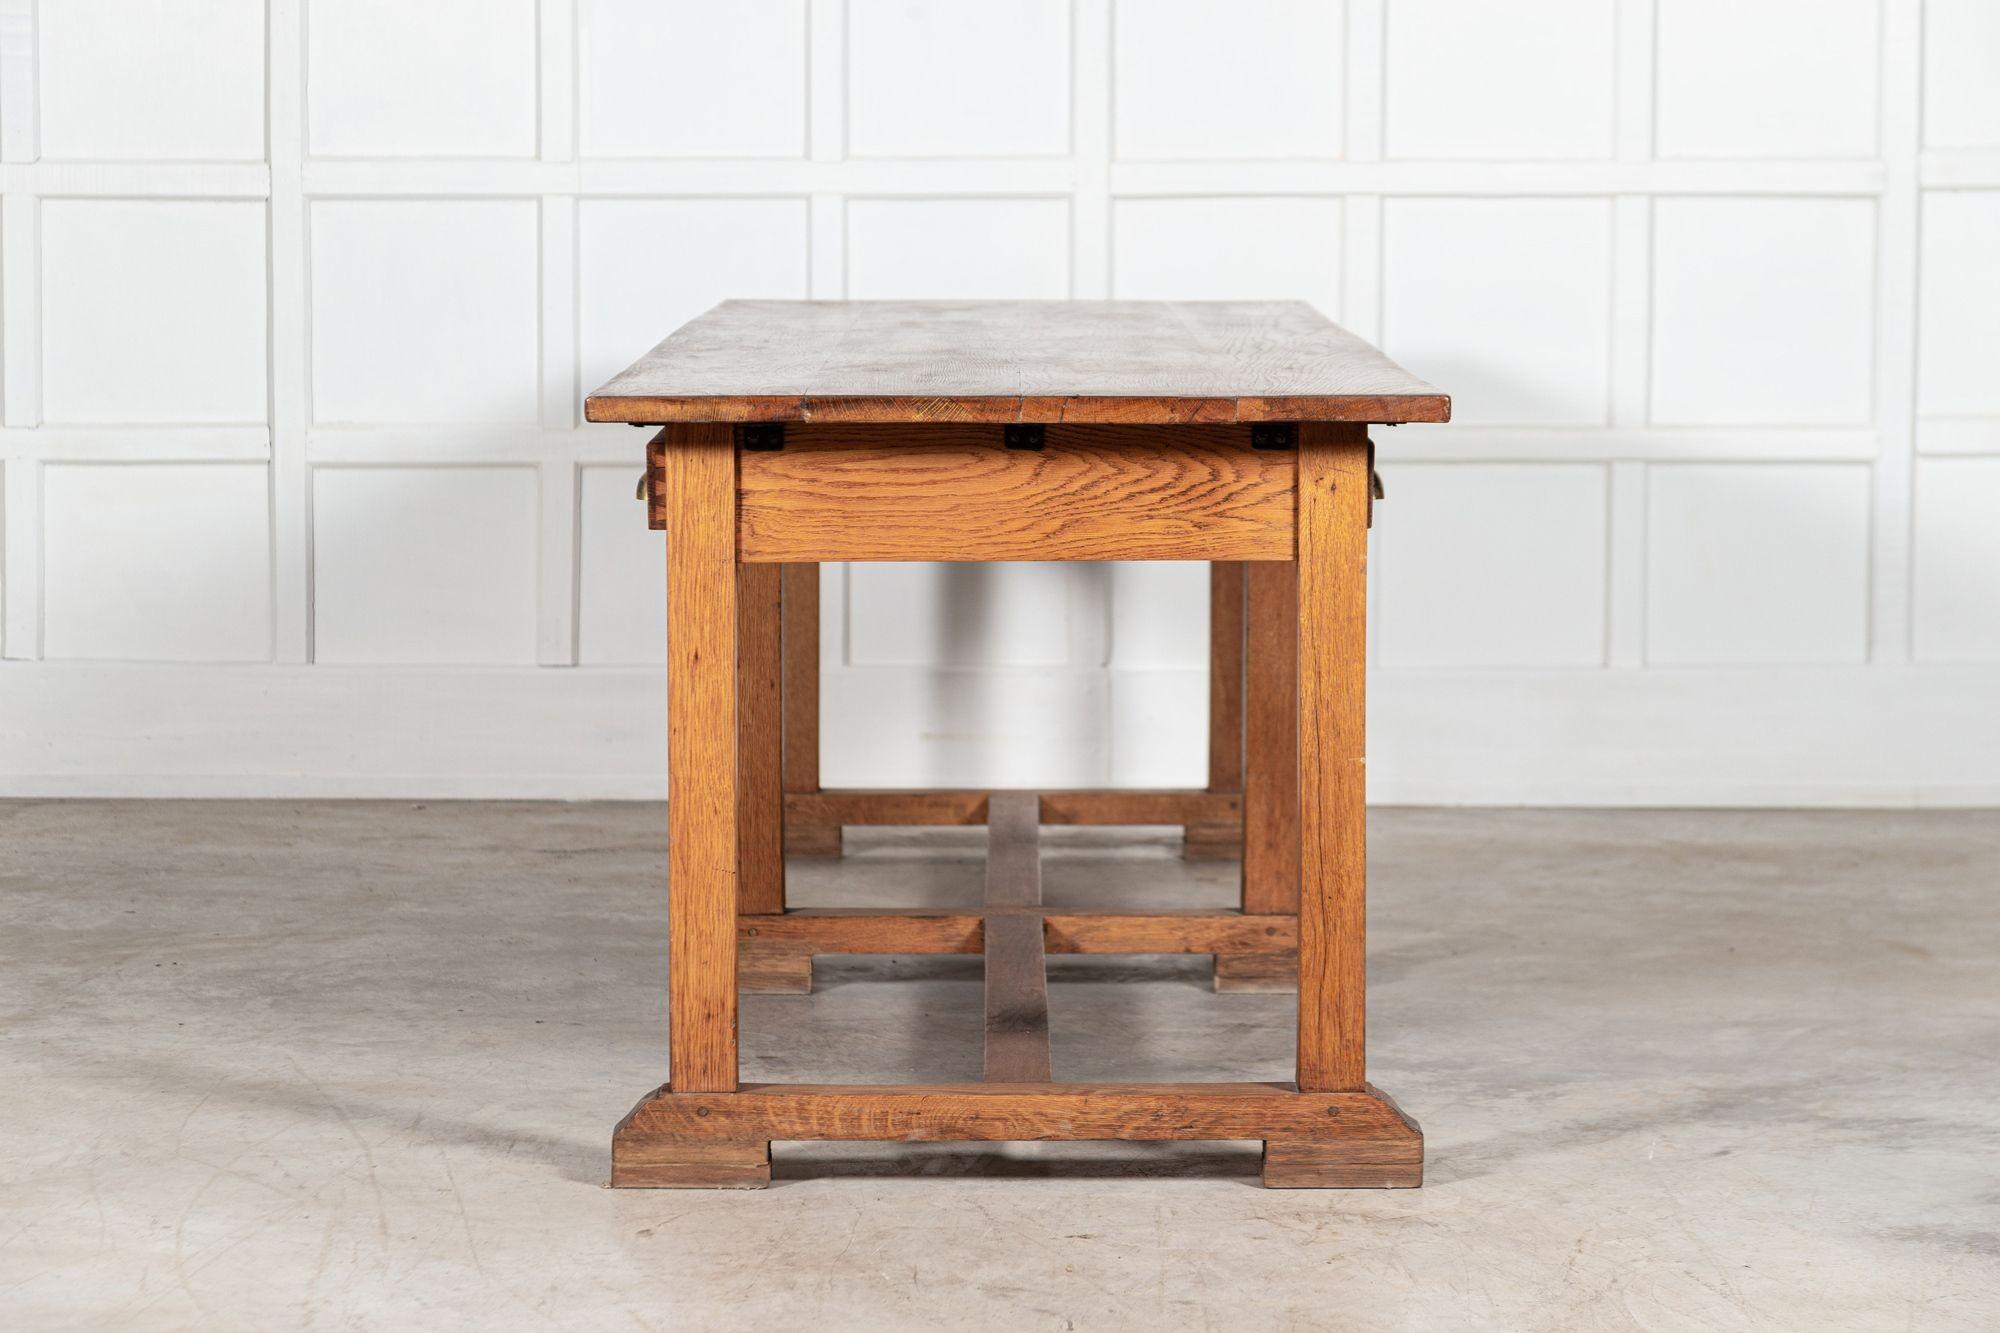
(1132, 362)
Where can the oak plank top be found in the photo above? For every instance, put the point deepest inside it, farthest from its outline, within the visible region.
(1128, 362)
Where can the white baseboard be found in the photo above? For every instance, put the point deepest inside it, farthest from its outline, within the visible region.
(1826, 736)
(295, 731)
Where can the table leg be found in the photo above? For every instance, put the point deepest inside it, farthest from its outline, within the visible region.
(800, 615)
(1222, 841)
(702, 795)
(1271, 782)
(1333, 818)
(701, 758)
(760, 794)
(1333, 812)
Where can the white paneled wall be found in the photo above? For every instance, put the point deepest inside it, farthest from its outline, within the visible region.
(299, 301)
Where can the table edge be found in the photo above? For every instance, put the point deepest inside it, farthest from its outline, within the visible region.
(1140, 410)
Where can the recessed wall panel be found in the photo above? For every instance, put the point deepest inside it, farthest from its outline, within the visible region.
(647, 266)
(1754, 563)
(156, 562)
(421, 78)
(1961, 91)
(1773, 79)
(958, 249)
(1958, 342)
(424, 565)
(1245, 249)
(692, 78)
(425, 310)
(1248, 79)
(153, 311)
(958, 80)
(1492, 565)
(1521, 79)
(1956, 602)
(1763, 311)
(622, 572)
(1506, 302)
(179, 80)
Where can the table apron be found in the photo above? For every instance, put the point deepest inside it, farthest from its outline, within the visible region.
(958, 492)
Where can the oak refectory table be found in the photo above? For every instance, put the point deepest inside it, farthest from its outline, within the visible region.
(800, 432)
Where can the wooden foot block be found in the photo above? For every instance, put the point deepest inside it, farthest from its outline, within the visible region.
(1212, 842)
(645, 1162)
(812, 840)
(1346, 1164)
(1256, 973)
(773, 972)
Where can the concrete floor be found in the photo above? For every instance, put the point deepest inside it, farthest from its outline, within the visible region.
(269, 1066)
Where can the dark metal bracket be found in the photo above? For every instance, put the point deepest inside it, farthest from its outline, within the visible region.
(1376, 490)
(766, 437)
(1271, 435)
(1024, 437)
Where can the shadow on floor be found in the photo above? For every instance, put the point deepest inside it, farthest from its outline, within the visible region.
(795, 1163)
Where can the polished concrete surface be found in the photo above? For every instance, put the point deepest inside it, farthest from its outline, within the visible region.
(270, 1066)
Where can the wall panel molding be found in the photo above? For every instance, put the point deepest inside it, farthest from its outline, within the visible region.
(1290, 152)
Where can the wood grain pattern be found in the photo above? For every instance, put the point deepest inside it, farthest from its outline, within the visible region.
(1065, 930)
(1332, 717)
(701, 758)
(919, 1113)
(799, 637)
(1213, 840)
(958, 493)
(867, 931)
(1387, 1154)
(1259, 973)
(1226, 609)
(1389, 1163)
(1167, 932)
(1017, 1001)
(800, 615)
(653, 484)
(1158, 807)
(760, 806)
(765, 970)
(853, 806)
(1127, 362)
(1271, 785)
(641, 1161)
(1017, 983)
(1013, 850)
(1140, 808)
(813, 839)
